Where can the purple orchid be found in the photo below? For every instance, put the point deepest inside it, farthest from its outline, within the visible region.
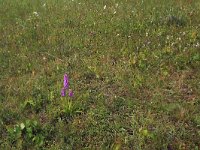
(66, 86)
(71, 94)
(66, 81)
(63, 92)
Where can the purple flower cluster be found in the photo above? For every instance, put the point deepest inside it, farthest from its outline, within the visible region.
(66, 87)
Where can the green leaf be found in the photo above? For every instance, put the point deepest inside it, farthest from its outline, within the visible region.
(22, 126)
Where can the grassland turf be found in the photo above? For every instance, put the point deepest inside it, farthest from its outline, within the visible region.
(134, 68)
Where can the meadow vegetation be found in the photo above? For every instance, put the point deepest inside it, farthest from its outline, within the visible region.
(133, 65)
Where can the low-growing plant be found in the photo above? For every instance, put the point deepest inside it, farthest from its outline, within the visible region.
(26, 134)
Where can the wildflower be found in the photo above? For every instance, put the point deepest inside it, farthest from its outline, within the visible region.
(66, 81)
(71, 94)
(104, 7)
(168, 37)
(65, 87)
(63, 92)
(44, 58)
(36, 13)
(197, 45)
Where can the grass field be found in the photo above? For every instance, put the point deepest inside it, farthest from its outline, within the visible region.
(133, 65)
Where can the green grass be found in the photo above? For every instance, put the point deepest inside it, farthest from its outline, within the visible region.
(134, 67)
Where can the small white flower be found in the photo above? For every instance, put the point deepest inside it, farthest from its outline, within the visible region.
(115, 12)
(44, 5)
(104, 7)
(168, 37)
(197, 45)
(179, 39)
(35, 13)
